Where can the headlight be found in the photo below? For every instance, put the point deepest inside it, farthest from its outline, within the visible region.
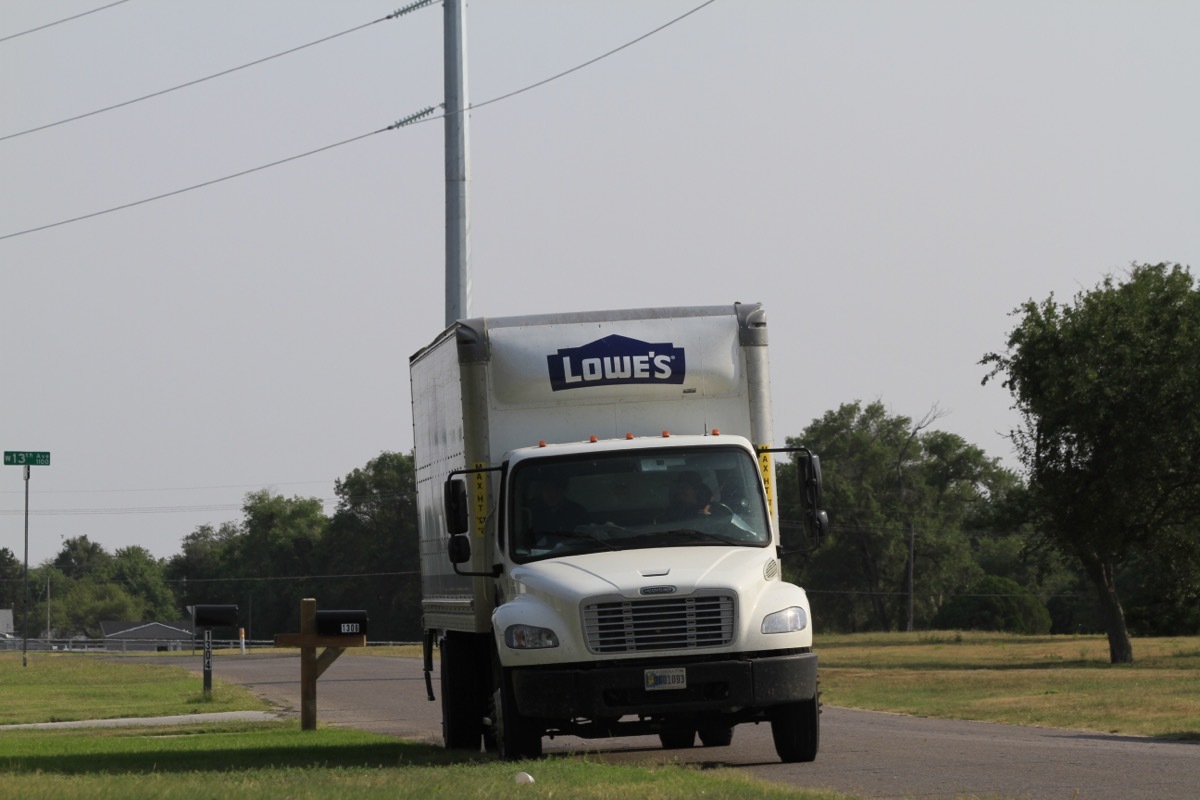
(788, 620)
(529, 637)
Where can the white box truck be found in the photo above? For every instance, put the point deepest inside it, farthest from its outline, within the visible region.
(600, 546)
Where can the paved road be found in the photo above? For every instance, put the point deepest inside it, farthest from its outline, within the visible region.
(872, 754)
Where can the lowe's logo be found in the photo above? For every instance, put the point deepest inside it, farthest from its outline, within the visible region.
(658, 590)
(615, 360)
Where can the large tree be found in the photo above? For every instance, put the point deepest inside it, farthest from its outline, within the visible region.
(275, 555)
(81, 558)
(143, 576)
(899, 496)
(372, 539)
(1108, 389)
(12, 585)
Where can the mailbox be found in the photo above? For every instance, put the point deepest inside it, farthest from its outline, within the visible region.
(214, 617)
(342, 623)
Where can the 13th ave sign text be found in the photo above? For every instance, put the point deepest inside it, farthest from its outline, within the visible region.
(25, 458)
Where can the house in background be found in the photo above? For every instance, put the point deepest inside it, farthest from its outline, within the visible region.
(151, 636)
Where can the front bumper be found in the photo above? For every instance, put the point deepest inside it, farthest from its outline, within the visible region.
(612, 689)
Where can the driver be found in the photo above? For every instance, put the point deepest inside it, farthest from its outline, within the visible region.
(689, 496)
(553, 511)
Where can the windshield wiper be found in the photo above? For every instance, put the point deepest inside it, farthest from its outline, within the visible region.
(586, 536)
(704, 535)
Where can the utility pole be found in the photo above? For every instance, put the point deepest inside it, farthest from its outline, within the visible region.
(25, 608)
(912, 555)
(458, 165)
(26, 459)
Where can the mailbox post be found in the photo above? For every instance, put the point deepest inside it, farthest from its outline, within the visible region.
(209, 617)
(332, 630)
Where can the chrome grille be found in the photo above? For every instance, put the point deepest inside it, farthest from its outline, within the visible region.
(659, 623)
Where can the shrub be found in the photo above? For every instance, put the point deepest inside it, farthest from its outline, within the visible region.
(995, 604)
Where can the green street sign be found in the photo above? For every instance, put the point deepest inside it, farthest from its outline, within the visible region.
(23, 458)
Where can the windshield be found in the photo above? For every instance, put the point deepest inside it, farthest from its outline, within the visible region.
(673, 497)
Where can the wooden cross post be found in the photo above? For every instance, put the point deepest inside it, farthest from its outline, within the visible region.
(312, 666)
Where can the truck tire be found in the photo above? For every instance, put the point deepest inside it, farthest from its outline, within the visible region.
(677, 738)
(716, 737)
(463, 701)
(516, 737)
(796, 729)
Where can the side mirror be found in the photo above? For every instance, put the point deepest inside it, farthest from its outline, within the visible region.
(457, 518)
(459, 549)
(808, 473)
(818, 523)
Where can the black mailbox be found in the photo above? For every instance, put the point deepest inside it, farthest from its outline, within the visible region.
(214, 617)
(342, 623)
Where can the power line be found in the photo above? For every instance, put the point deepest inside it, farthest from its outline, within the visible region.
(401, 123)
(186, 581)
(267, 485)
(88, 512)
(61, 21)
(393, 15)
(414, 119)
(189, 508)
(614, 51)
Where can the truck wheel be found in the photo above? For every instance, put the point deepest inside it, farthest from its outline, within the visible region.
(462, 698)
(716, 737)
(796, 729)
(677, 738)
(516, 737)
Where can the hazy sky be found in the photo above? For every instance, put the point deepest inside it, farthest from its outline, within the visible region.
(890, 178)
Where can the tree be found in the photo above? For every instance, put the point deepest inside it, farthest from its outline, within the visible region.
(373, 533)
(898, 495)
(48, 588)
(141, 575)
(80, 558)
(995, 604)
(365, 556)
(88, 603)
(200, 573)
(276, 549)
(1107, 392)
(12, 584)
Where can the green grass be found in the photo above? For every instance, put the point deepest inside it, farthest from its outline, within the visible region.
(275, 759)
(1052, 681)
(62, 687)
(280, 760)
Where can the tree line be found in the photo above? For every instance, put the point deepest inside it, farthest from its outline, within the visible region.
(362, 556)
(1098, 533)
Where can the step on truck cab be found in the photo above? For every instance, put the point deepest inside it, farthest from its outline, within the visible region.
(600, 547)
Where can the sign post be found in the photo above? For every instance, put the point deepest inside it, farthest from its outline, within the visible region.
(209, 617)
(26, 459)
(208, 663)
(333, 630)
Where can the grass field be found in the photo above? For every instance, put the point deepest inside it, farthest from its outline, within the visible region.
(1055, 681)
(280, 760)
(62, 687)
(244, 760)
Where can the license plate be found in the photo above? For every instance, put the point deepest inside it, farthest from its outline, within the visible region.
(659, 679)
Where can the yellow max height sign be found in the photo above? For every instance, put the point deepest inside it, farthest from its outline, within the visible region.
(764, 466)
(481, 499)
